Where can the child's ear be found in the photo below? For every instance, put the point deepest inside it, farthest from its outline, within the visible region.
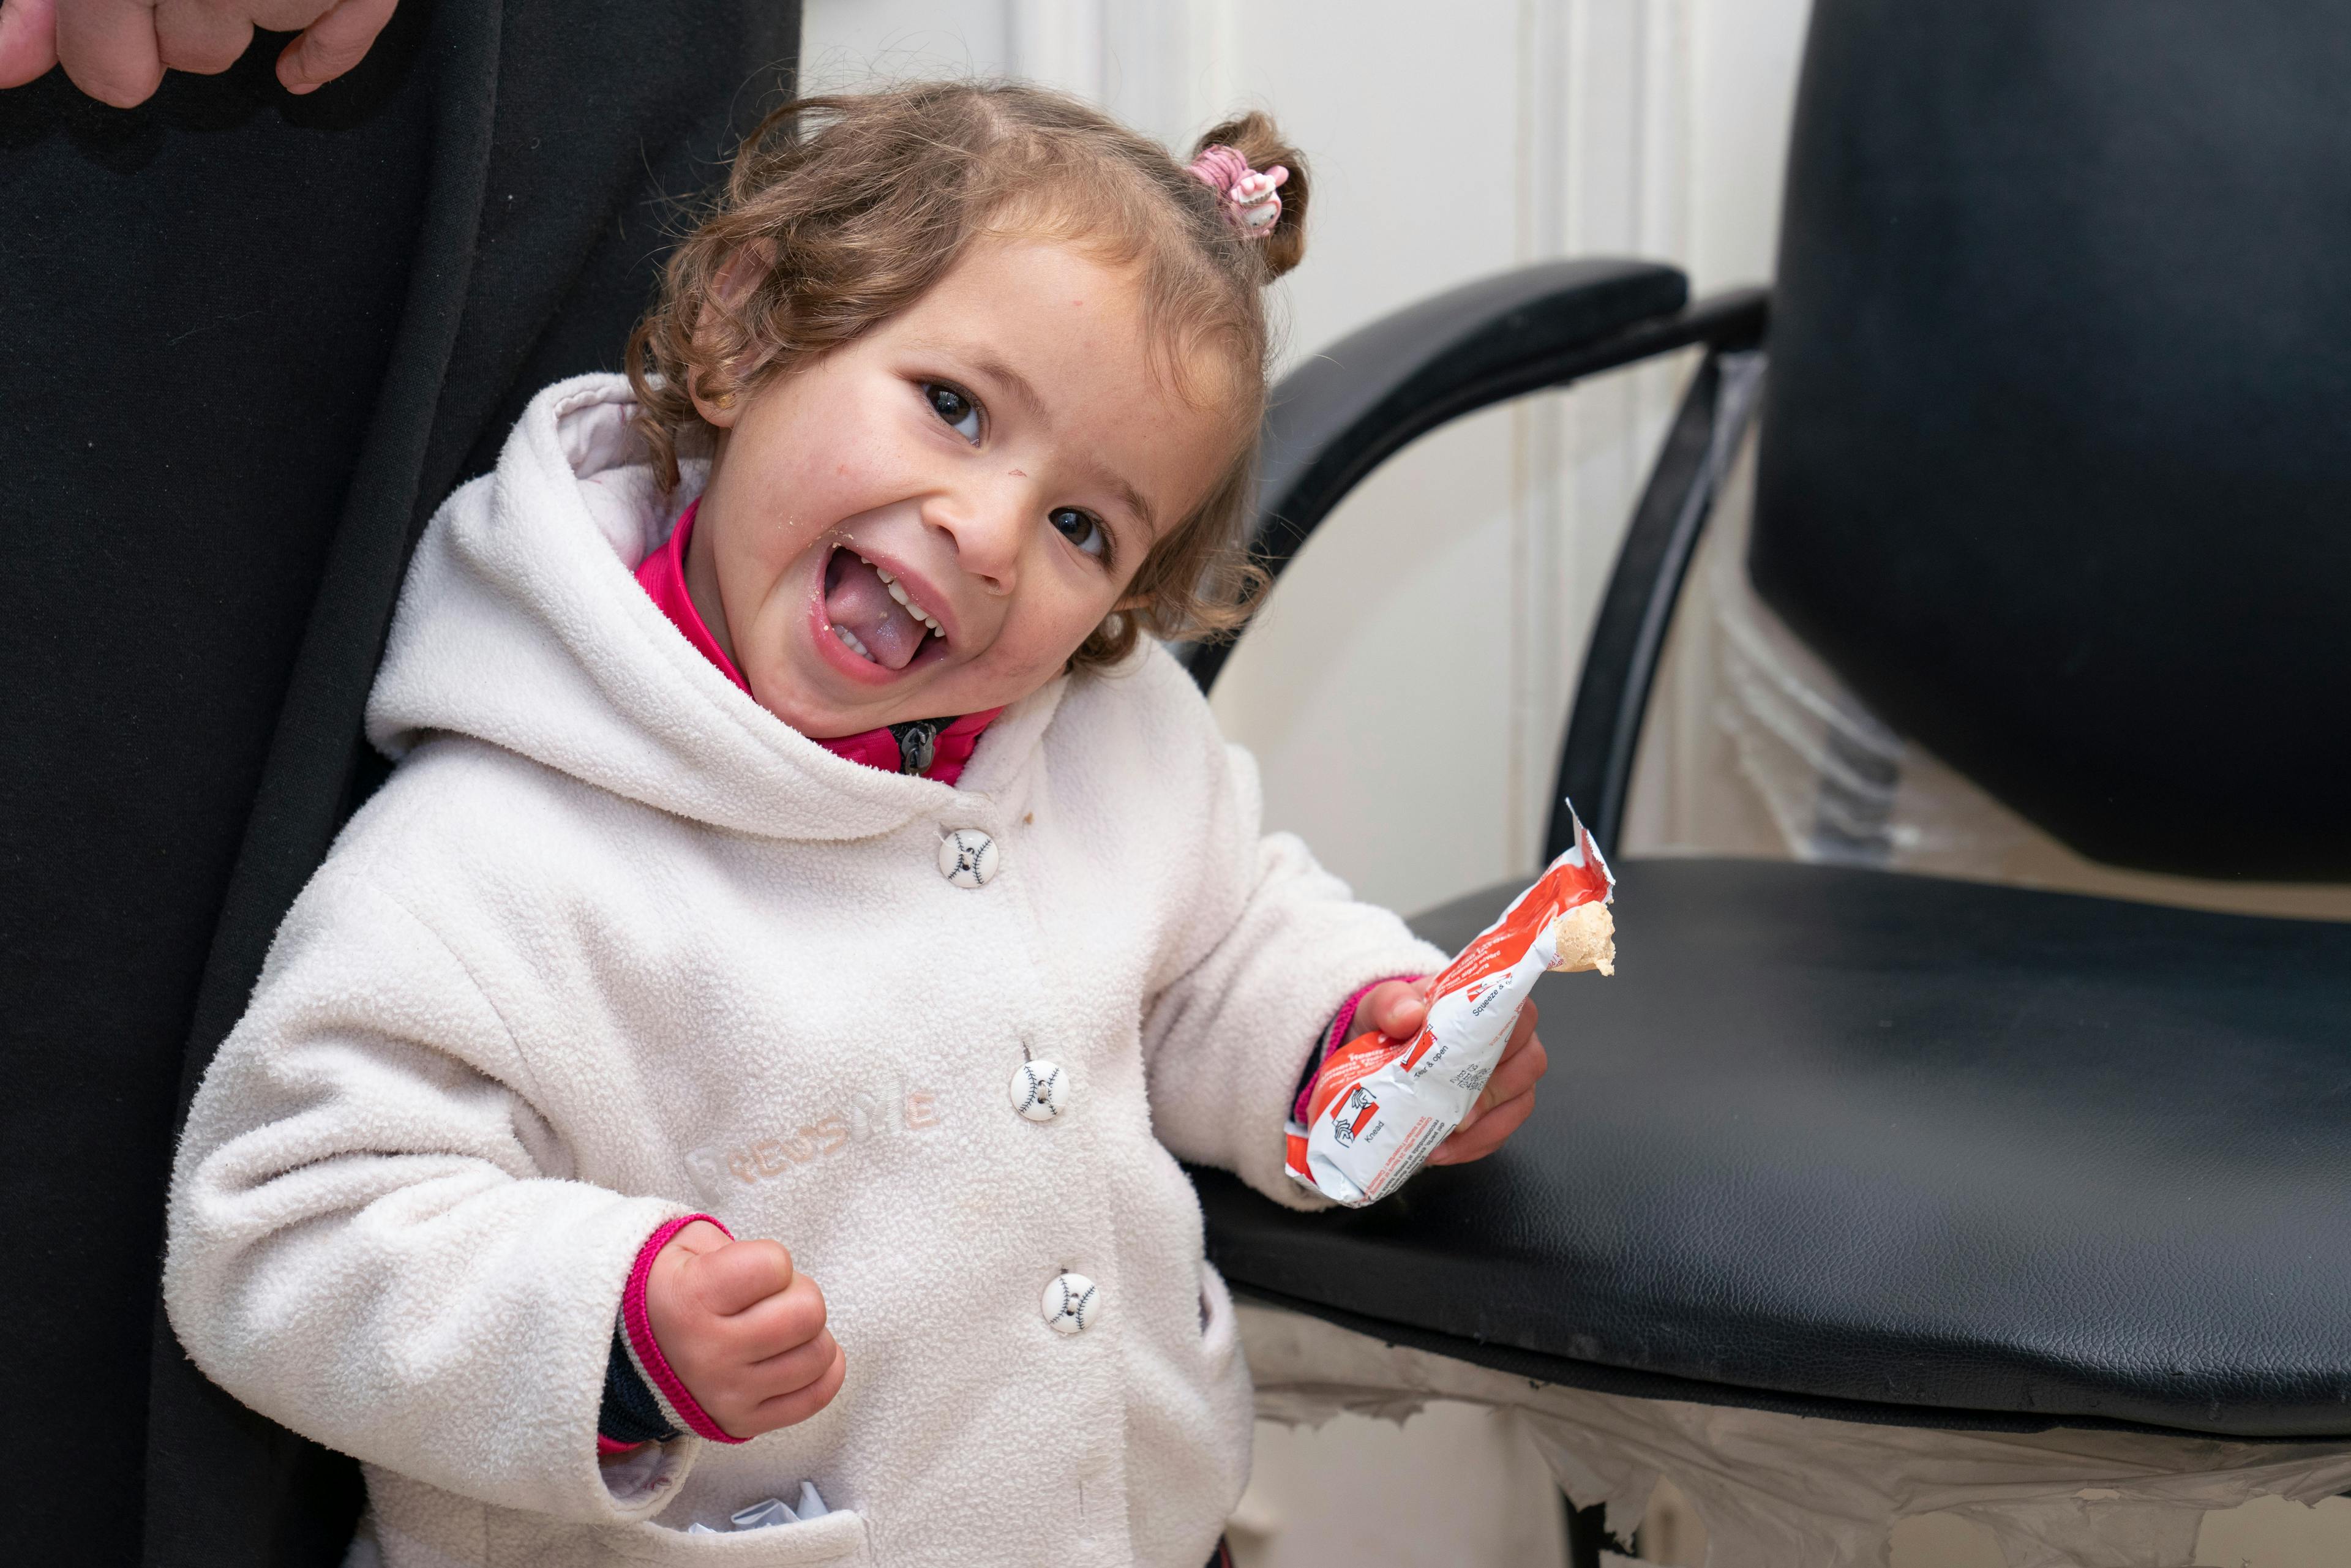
(716, 397)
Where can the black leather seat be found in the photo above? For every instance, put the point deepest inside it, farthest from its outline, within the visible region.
(1892, 1149)
(2053, 471)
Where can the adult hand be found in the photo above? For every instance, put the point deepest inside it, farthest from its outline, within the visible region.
(1397, 1008)
(743, 1330)
(118, 50)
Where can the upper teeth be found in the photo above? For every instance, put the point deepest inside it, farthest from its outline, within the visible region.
(903, 597)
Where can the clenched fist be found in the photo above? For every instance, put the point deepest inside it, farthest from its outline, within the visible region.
(117, 50)
(743, 1330)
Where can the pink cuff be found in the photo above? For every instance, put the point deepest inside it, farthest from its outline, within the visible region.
(1341, 1030)
(605, 1446)
(646, 1351)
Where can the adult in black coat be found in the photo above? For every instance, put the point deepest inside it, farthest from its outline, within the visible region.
(248, 341)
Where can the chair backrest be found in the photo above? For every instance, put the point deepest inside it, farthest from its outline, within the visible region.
(2056, 454)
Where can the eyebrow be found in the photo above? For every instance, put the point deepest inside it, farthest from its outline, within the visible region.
(998, 370)
(995, 369)
(1134, 499)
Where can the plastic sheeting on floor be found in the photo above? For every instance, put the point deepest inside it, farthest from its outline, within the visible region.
(1788, 1491)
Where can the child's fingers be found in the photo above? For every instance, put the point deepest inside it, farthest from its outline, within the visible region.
(790, 1318)
(1516, 1074)
(1521, 1032)
(699, 1236)
(789, 1409)
(733, 1278)
(1508, 1100)
(1475, 1143)
(1521, 1067)
(792, 1371)
(1395, 1007)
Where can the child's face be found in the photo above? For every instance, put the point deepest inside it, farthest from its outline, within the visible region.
(1004, 450)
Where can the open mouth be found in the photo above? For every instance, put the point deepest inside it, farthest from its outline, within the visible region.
(874, 616)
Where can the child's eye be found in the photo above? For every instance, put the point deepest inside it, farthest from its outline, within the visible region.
(1082, 529)
(960, 413)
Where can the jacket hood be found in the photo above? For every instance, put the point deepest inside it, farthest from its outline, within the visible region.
(521, 624)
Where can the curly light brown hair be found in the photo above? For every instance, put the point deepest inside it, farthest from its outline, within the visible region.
(849, 208)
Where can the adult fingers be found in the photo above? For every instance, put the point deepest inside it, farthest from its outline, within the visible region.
(733, 1278)
(200, 36)
(790, 1409)
(28, 40)
(108, 48)
(333, 44)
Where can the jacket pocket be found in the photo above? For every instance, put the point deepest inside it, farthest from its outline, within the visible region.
(1219, 1333)
(839, 1537)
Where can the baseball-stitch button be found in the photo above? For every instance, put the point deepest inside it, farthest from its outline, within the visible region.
(1072, 1304)
(968, 857)
(1041, 1090)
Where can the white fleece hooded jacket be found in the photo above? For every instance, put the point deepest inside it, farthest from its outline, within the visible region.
(615, 944)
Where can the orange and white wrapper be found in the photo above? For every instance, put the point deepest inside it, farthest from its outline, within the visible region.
(1382, 1106)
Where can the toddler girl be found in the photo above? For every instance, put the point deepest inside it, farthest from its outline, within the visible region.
(800, 841)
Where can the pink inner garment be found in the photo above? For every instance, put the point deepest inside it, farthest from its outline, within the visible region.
(663, 577)
(637, 1323)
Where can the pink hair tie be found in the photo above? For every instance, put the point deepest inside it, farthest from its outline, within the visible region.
(1247, 195)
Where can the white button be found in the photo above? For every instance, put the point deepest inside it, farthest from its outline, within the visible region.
(1072, 1304)
(967, 858)
(1041, 1090)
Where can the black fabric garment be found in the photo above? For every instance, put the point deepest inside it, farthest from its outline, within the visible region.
(247, 342)
(629, 1412)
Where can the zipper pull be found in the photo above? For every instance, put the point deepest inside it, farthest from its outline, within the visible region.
(916, 745)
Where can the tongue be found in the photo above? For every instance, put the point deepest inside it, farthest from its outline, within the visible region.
(859, 602)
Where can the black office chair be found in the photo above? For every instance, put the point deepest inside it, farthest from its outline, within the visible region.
(2054, 471)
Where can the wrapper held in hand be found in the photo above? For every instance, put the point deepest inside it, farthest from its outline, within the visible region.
(1382, 1106)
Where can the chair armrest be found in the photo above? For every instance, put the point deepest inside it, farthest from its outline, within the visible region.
(1628, 633)
(1342, 414)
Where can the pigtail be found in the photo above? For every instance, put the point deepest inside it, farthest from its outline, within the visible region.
(1256, 138)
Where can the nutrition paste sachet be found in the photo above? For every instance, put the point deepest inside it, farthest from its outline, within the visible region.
(1381, 1105)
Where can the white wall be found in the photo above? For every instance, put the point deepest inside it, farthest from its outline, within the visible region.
(1435, 626)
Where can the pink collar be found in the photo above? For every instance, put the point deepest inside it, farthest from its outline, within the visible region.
(663, 577)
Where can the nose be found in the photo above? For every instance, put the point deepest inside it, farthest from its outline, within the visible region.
(987, 521)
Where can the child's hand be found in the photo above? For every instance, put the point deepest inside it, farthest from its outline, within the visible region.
(1397, 1009)
(742, 1329)
(1509, 1099)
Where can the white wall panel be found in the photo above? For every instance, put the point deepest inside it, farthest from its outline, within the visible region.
(851, 43)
